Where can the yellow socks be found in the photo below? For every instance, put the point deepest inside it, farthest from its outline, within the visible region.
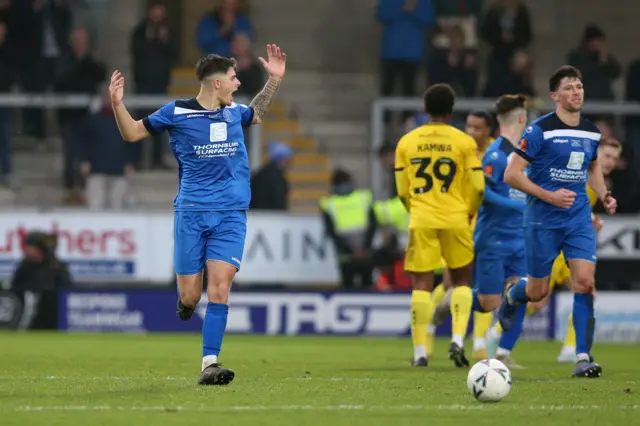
(436, 297)
(570, 338)
(461, 302)
(438, 294)
(421, 312)
(481, 324)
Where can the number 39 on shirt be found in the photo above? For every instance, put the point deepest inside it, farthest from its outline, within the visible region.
(443, 170)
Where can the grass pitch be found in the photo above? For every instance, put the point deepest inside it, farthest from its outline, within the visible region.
(113, 379)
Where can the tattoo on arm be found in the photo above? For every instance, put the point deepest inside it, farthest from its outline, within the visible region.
(261, 102)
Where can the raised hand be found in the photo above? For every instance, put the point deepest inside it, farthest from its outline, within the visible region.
(116, 88)
(276, 62)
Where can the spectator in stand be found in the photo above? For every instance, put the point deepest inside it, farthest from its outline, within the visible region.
(81, 73)
(7, 61)
(517, 79)
(269, 186)
(598, 66)
(43, 29)
(248, 69)
(106, 159)
(403, 49)
(153, 53)
(507, 29)
(455, 66)
(217, 29)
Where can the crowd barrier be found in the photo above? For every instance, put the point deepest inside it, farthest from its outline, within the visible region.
(287, 313)
(137, 247)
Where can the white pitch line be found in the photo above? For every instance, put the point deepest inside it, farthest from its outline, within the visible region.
(121, 378)
(453, 407)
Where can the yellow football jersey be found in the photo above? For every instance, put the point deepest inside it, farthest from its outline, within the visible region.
(593, 197)
(432, 163)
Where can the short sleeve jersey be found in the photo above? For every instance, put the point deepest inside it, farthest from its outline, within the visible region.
(213, 166)
(559, 157)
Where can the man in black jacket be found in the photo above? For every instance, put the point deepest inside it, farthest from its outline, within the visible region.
(269, 186)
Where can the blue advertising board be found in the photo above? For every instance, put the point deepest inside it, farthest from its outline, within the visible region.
(270, 313)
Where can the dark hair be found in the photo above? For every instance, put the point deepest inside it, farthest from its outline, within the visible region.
(439, 100)
(565, 71)
(488, 119)
(507, 103)
(213, 64)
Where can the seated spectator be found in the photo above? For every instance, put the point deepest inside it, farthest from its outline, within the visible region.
(516, 79)
(217, 29)
(107, 160)
(598, 66)
(454, 65)
(632, 122)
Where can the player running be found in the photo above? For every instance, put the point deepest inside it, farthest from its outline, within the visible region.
(609, 152)
(206, 137)
(434, 164)
(559, 152)
(499, 253)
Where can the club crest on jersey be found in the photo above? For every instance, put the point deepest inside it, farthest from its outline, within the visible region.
(586, 145)
(488, 170)
(529, 129)
(523, 144)
(226, 115)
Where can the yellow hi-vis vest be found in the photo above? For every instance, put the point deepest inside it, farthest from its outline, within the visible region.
(350, 214)
(392, 213)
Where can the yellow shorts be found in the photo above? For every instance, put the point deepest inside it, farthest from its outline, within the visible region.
(560, 272)
(427, 248)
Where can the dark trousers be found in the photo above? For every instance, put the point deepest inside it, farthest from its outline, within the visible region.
(403, 72)
(71, 156)
(5, 142)
(36, 77)
(356, 271)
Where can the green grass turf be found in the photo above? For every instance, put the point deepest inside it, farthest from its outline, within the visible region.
(114, 379)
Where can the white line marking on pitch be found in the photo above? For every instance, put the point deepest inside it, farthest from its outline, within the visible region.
(318, 407)
(119, 378)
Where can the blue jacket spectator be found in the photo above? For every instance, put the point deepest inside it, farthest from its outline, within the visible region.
(217, 30)
(404, 25)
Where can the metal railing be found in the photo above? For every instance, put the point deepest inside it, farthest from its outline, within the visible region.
(151, 102)
(381, 105)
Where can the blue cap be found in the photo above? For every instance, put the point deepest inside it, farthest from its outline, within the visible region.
(279, 151)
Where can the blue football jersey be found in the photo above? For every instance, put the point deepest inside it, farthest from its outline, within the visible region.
(212, 158)
(501, 213)
(559, 157)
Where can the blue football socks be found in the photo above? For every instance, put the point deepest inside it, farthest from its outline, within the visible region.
(215, 323)
(518, 293)
(510, 337)
(583, 322)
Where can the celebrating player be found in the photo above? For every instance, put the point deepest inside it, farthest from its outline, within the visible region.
(499, 237)
(433, 164)
(206, 138)
(559, 150)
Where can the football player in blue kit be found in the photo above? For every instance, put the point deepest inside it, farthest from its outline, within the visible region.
(499, 253)
(559, 152)
(210, 223)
